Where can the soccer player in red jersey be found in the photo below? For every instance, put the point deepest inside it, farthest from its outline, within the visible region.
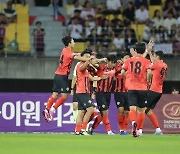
(61, 83)
(103, 94)
(136, 69)
(85, 104)
(120, 96)
(159, 70)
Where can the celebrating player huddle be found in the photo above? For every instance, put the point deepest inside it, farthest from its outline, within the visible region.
(135, 81)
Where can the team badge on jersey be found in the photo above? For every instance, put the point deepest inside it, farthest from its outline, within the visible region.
(118, 103)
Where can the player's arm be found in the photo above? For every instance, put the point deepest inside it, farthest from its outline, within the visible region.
(148, 48)
(97, 78)
(149, 75)
(84, 66)
(123, 72)
(77, 56)
(133, 52)
(73, 83)
(95, 61)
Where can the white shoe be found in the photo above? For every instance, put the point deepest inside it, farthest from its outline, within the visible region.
(84, 133)
(110, 133)
(158, 133)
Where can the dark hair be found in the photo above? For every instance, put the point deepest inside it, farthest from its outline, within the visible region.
(75, 1)
(125, 54)
(66, 40)
(160, 54)
(111, 58)
(86, 51)
(38, 22)
(140, 47)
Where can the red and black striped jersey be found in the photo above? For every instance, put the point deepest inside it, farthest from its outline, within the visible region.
(106, 84)
(119, 80)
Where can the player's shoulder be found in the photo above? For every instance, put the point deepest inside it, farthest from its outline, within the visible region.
(67, 51)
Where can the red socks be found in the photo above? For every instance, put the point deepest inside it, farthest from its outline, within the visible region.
(78, 128)
(106, 123)
(50, 102)
(154, 120)
(59, 102)
(93, 115)
(84, 125)
(132, 115)
(97, 121)
(120, 121)
(140, 120)
(125, 122)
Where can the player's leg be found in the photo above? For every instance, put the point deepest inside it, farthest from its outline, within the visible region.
(126, 112)
(132, 100)
(75, 110)
(142, 101)
(153, 99)
(154, 121)
(61, 85)
(126, 121)
(50, 102)
(79, 121)
(89, 112)
(58, 103)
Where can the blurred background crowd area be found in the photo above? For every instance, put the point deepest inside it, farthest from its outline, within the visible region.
(35, 28)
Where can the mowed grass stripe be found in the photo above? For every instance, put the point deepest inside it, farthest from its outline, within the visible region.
(100, 143)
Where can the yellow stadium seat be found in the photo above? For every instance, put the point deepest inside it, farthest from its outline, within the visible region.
(68, 7)
(152, 9)
(80, 46)
(111, 16)
(22, 9)
(22, 18)
(10, 33)
(23, 39)
(140, 30)
(2, 6)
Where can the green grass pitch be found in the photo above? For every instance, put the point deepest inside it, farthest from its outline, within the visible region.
(30, 143)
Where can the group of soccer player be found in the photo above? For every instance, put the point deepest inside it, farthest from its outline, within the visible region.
(137, 89)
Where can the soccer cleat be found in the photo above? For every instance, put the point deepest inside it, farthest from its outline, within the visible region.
(158, 133)
(134, 129)
(46, 115)
(77, 133)
(90, 131)
(110, 133)
(51, 115)
(123, 133)
(138, 133)
(84, 133)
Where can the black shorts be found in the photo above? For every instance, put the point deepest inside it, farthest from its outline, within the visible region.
(84, 101)
(61, 84)
(121, 100)
(137, 98)
(103, 100)
(152, 99)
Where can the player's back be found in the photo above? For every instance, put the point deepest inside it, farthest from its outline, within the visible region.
(136, 68)
(65, 62)
(159, 70)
